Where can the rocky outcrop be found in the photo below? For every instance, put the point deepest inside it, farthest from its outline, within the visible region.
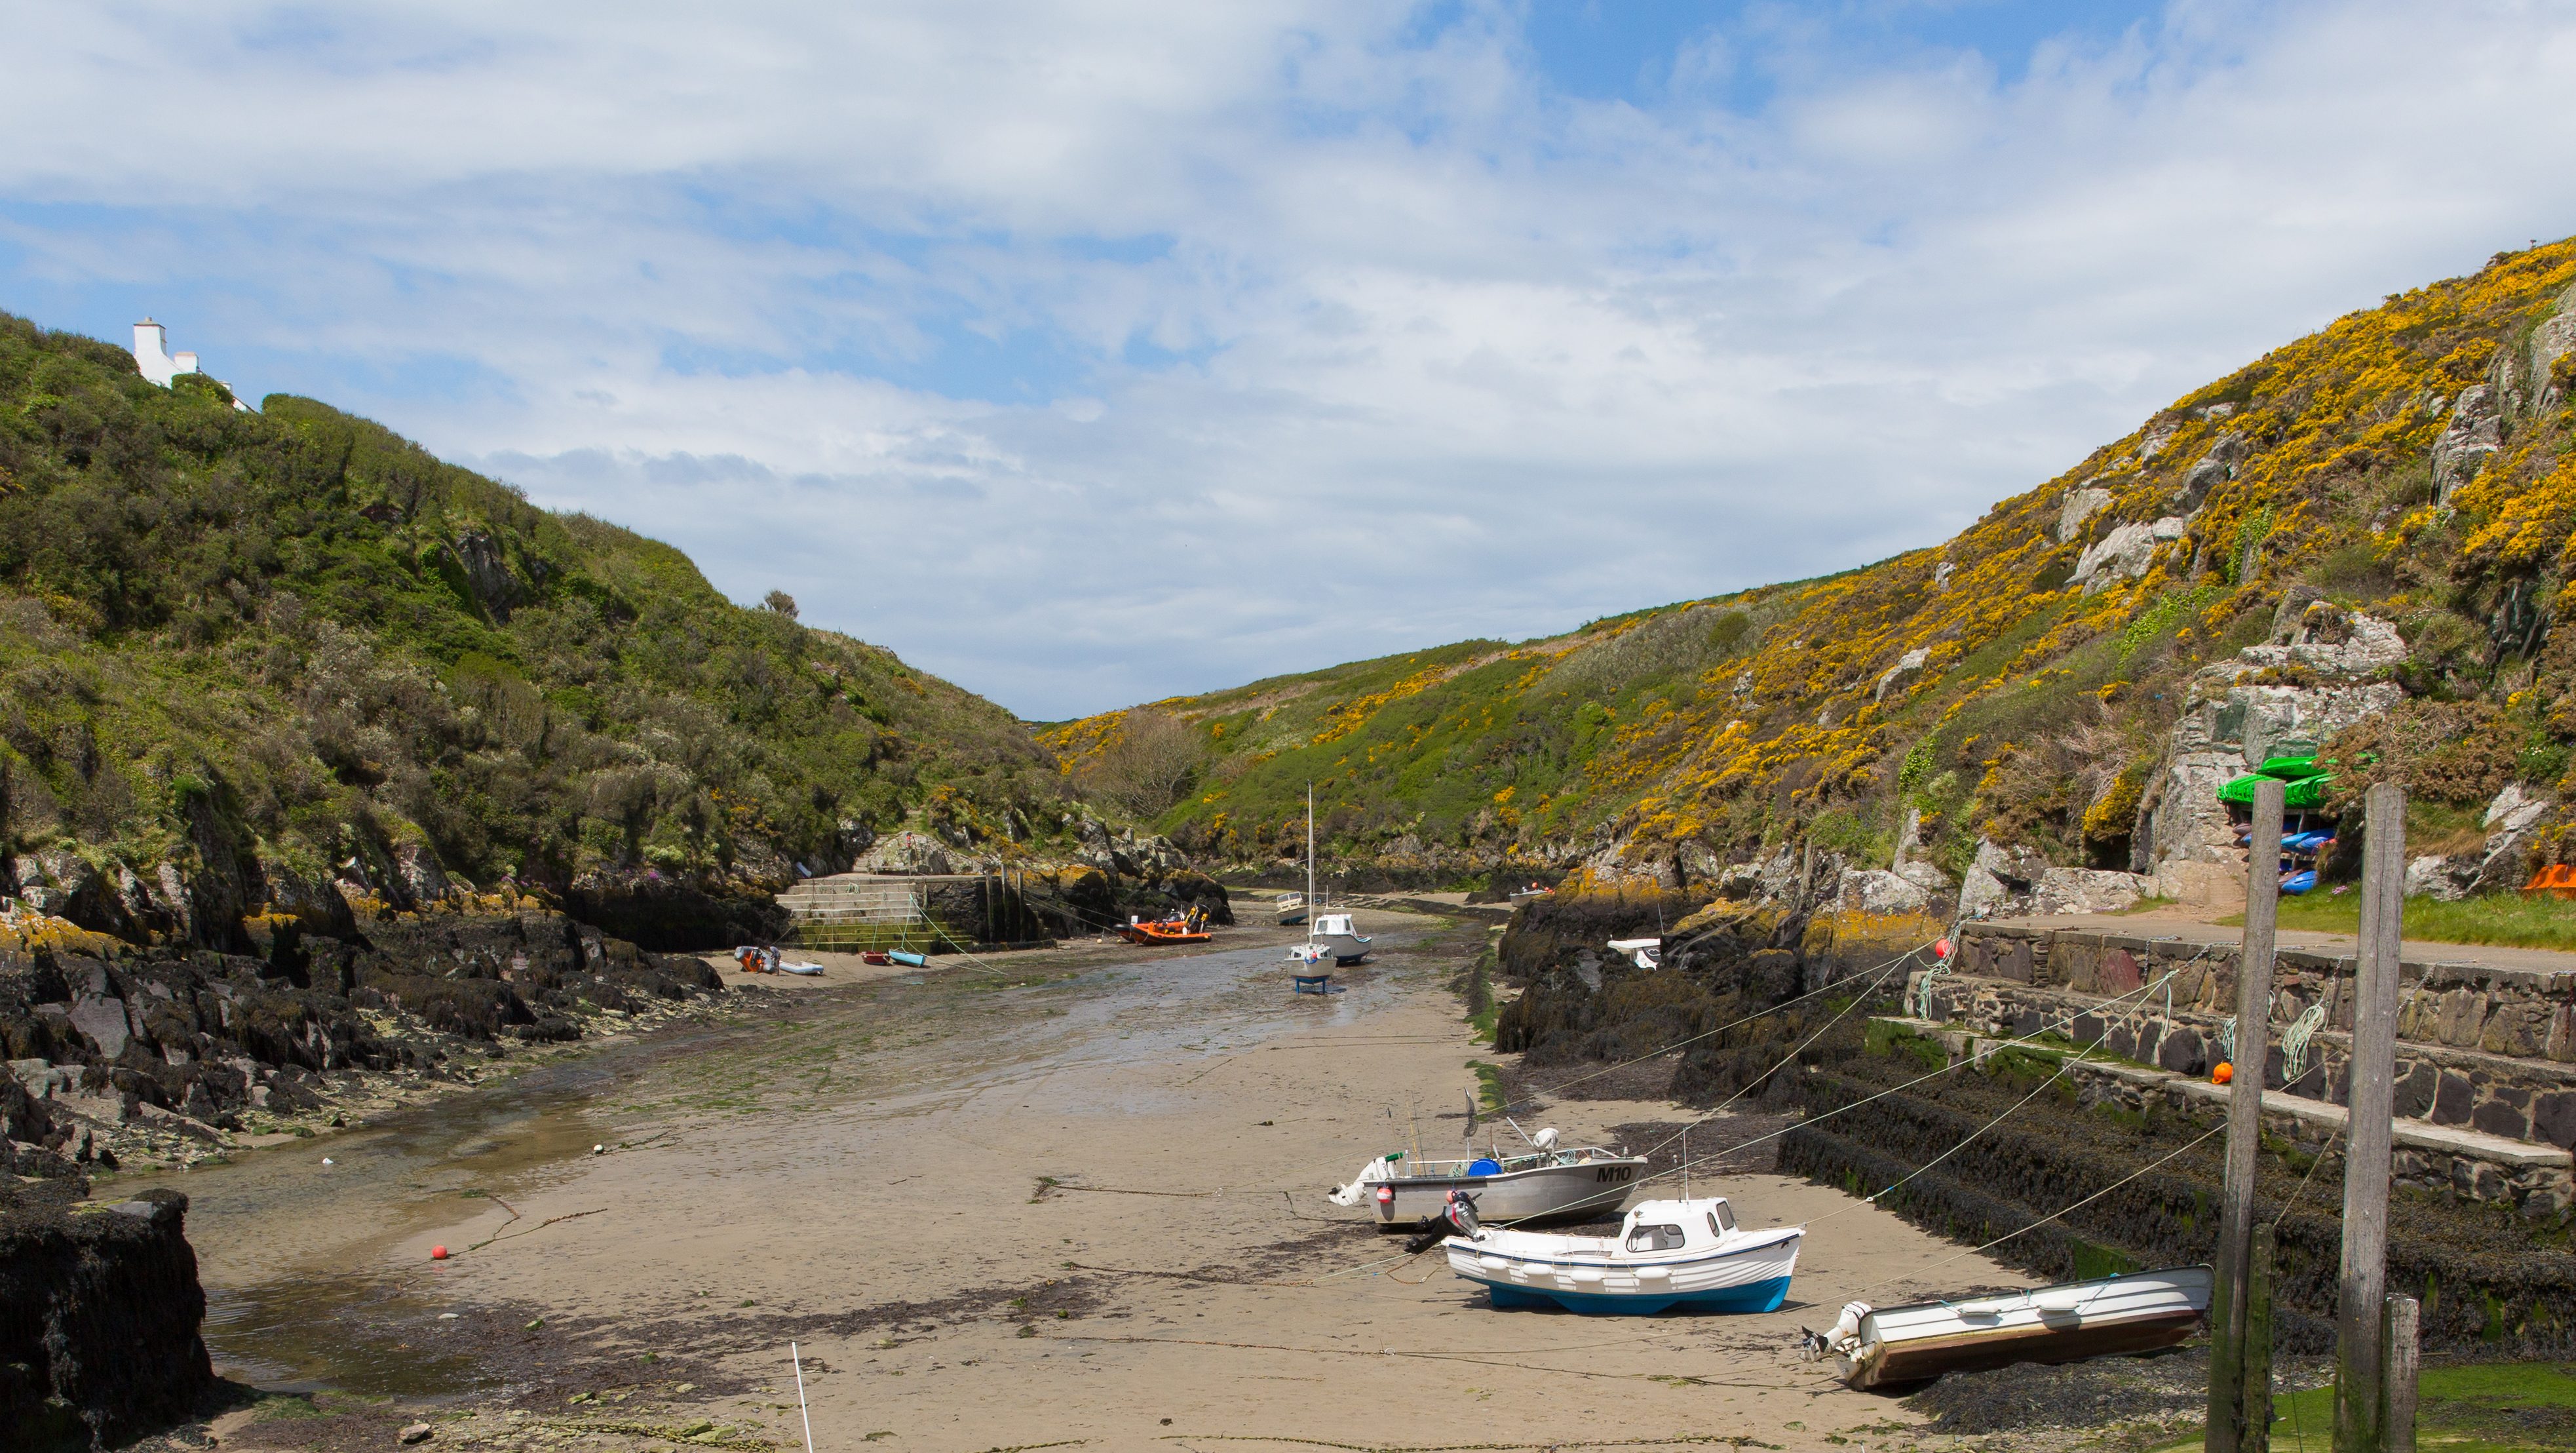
(2125, 553)
(2080, 505)
(134, 1052)
(1908, 668)
(101, 1343)
(2526, 379)
(2001, 881)
(2500, 864)
(2214, 467)
(2323, 670)
(2474, 434)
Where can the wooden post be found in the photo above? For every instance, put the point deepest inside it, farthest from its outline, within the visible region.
(2257, 1433)
(2359, 1399)
(2230, 1402)
(2397, 1362)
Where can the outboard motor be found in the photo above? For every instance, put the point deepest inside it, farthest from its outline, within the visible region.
(1460, 1214)
(1458, 1218)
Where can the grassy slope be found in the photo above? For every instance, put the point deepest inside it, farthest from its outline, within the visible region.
(296, 632)
(1749, 719)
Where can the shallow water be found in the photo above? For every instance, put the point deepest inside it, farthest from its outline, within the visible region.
(296, 1257)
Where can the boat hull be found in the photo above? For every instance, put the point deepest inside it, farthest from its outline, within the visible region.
(1747, 1274)
(2107, 1317)
(1346, 948)
(1761, 1296)
(1543, 1193)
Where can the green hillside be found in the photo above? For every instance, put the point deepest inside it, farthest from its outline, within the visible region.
(1977, 682)
(277, 647)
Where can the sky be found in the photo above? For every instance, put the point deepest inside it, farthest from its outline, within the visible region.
(1094, 351)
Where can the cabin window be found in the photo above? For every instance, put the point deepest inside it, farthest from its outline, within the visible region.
(1655, 1238)
(1722, 1220)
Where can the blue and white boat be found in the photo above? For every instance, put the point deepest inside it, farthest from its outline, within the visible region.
(1686, 1253)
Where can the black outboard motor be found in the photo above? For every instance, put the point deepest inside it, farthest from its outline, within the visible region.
(1460, 1213)
(1458, 1218)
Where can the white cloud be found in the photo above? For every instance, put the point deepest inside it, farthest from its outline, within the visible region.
(1090, 353)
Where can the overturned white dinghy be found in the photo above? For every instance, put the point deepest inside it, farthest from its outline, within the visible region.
(2107, 1317)
(1546, 1184)
(1667, 1254)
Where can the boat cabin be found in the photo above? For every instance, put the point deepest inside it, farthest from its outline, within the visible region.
(1676, 1225)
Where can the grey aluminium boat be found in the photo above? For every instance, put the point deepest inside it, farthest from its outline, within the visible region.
(1548, 1184)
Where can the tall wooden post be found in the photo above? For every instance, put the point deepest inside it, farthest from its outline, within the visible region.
(2257, 1435)
(2397, 1369)
(2359, 1398)
(2229, 1398)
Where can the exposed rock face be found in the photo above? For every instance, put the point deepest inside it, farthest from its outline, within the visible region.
(2500, 865)
(2475, 433)
(101, 1342)
(2080, 505)
(1877, 890)
(2124, 553)
(487, 573)
(2217, 465)
(676, 913)
(2230, 725)
(154, 1051)
(905, 852)
(2000, 882)
(2522, 377)
(1897, 677)
(2086, 890)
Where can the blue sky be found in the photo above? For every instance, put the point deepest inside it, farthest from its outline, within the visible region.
(1093, 351)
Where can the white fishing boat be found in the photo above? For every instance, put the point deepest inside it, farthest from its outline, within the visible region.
(1292, 909)
(1335, 931)
(1646, 953)
(1685, 1253)
(2106, 1317)
(1546, 1184)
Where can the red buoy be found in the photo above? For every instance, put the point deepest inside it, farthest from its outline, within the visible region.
(1941, 949)
(438, 1253)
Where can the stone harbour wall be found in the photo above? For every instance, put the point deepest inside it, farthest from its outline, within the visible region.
(2480, 1046)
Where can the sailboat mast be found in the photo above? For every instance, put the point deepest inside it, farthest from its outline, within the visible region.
(1310, 862)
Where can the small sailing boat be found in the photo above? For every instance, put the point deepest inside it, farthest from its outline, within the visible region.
(1685, 1253)
(2069, 1322)
(1312, 961)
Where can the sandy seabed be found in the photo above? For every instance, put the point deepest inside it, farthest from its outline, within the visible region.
(1050, 1200)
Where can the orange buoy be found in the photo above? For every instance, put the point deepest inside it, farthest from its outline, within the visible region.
(438, 1253)
(2224, 1073)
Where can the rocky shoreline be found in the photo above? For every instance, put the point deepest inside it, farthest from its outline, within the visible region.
(130, 1057)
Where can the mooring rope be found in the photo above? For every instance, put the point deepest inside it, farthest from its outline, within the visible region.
(1519, 1101)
